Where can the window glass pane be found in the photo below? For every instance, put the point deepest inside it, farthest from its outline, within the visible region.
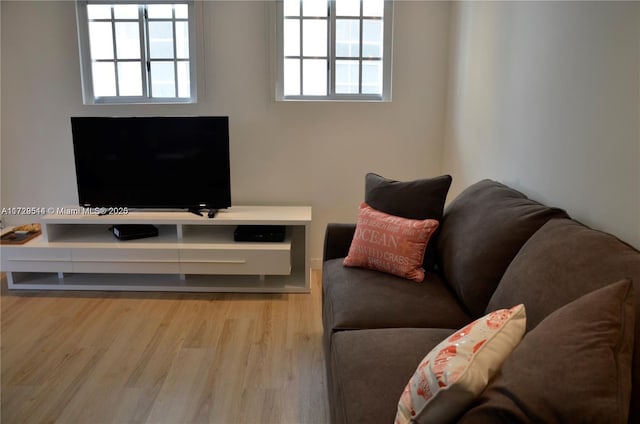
(120, 45)
(347, 37)
(100, 40)
(314, 8)
(353, 64)
(291, 7)
(104, 79)
(373, 7)
(184, 80)
(372, 38)
(372, 77)
(129, 79)
(161, 40)
(292, 77)
(182, 11)
(182, 40)
(314, 77)
(160, 11)
(347, 76)
(163, 79)
(125, 11)
(348, 7)
(314, 37)
(128, 40)
(292, 37)
(99, 11)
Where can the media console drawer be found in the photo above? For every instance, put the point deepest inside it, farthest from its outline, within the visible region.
(36, 259)
(126, 260)
(236, 261)
(124, 254)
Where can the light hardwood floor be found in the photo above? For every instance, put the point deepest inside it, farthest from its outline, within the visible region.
(107, 357)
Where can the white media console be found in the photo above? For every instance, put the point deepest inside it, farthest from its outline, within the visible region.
(190, 253)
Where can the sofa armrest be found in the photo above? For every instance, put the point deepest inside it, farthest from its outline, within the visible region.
(337, 240)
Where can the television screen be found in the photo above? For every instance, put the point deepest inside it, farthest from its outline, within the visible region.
(152, 162)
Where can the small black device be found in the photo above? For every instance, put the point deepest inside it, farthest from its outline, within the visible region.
(266, 233)
(134, 231)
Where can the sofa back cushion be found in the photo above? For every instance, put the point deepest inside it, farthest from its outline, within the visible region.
(481, 232)
(560, 263)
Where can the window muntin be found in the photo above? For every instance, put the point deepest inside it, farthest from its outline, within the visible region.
(137, 52)
(334, 49)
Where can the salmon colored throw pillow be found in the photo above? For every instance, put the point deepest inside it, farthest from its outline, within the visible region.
(458, 369)
(390, 243)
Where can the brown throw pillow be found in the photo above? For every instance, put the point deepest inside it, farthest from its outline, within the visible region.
(418, 199)
(574, 367)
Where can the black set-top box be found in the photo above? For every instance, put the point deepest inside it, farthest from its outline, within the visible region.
(134, 231)
(266, 233)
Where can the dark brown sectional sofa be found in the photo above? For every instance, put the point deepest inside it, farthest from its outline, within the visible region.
(495, 249)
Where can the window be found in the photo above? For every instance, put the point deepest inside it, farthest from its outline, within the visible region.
(334, 49)
(137, 52)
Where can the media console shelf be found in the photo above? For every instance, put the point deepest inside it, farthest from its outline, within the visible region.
(190, 253)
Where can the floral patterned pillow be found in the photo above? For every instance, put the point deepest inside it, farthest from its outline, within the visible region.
(458, 369)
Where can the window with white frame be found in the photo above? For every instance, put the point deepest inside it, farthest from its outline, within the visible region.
(137, 51)
(334, 49)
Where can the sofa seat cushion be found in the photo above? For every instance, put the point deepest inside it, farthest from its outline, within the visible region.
(481, 232)
(356, 298)
(372, 368)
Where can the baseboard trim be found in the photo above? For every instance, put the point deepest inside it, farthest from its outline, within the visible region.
(316, 263)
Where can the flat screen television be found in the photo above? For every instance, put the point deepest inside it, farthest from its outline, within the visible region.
(152, 162)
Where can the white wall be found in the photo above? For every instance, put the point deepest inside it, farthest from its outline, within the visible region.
(545, 96)
(281, 153)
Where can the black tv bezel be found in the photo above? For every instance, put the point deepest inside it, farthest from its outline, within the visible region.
(222, 202)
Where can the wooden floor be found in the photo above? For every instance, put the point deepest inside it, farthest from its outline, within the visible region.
(106, 357)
